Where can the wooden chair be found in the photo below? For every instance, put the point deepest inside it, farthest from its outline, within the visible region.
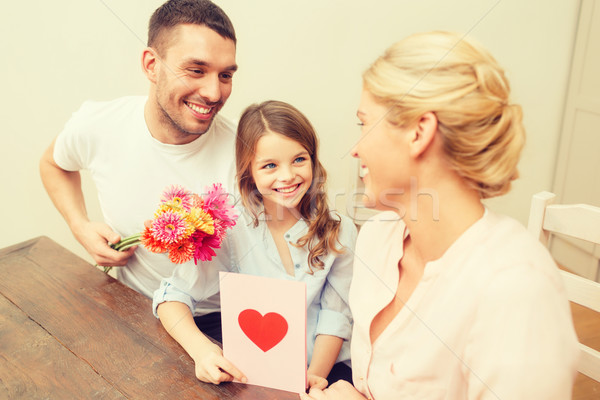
(579, 221)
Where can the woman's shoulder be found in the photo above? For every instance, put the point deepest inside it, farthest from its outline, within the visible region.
(511, 249)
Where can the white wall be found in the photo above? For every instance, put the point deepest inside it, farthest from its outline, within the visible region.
(55, 54)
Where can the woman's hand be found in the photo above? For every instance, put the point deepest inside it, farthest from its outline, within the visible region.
(341, 390)
(317, 382)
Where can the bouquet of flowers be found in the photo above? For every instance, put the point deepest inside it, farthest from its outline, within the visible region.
(185, 225)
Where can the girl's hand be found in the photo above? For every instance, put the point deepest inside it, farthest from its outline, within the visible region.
(317, 382)
(212, 367)
(341, 390)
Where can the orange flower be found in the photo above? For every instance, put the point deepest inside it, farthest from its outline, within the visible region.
(151, 243)
(181, 252)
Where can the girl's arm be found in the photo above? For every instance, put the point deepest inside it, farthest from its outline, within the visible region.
(208, 358)
(325, 353)
(335, 320)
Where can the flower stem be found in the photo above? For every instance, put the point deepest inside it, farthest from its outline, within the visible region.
(125, 244)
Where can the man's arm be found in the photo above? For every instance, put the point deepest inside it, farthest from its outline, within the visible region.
(64, 189)
(208, 358)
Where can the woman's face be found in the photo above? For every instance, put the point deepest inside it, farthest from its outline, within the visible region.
(383, 152)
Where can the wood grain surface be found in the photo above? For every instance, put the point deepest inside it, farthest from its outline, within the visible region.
(70, 331)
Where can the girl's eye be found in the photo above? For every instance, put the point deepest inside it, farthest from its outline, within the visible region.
(300, 159)
(269, 166)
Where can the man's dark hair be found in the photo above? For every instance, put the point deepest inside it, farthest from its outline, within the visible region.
(198, 12)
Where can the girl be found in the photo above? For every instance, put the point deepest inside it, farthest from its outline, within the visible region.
(450, 300)
(286, 231)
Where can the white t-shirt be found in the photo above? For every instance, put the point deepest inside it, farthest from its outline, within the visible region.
(488, 320)
(131, 170)
(253, 251)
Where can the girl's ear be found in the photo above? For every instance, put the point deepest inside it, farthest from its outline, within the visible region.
(423, 134)
(150, 63)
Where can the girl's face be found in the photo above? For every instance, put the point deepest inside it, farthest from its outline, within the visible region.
(282, 171)
(383, 152)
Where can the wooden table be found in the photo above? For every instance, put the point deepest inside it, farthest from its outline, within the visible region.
(69, 331)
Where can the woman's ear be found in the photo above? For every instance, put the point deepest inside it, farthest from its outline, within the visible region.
(150, 64)
(424, 131)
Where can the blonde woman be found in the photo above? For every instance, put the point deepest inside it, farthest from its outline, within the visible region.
(450, 300)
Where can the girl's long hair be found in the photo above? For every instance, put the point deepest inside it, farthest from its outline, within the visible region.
(286, 120)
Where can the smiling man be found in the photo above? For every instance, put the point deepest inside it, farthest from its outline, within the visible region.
(137, 146)
(191, 80)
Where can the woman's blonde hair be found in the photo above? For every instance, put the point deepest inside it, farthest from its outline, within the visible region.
(464, 86)
(284, 119)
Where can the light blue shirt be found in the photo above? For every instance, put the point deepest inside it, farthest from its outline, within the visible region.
(253, 251)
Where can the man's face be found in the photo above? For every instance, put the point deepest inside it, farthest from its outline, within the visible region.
(194, 79)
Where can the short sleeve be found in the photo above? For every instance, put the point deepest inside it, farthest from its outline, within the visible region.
(168, 292)
(71, 147)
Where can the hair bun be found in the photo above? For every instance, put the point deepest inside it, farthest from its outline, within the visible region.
(463, 84)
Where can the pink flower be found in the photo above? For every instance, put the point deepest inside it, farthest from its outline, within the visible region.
(177, 197)
(186, 225)
(203, 246)
(170, 226)
(197, 201)
(220, 229)
(216, 201)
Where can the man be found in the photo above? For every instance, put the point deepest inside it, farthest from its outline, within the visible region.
(137, 146)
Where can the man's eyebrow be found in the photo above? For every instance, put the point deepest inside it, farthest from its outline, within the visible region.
(202, 63)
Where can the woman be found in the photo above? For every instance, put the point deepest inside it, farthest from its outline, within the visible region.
(450, 300)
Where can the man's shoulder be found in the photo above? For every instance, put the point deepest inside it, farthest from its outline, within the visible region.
(222, 125)
(122, 105)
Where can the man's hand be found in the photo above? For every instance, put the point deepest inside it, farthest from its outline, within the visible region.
(95, 238)
(212, 367)
(64, 188)
(340, 390)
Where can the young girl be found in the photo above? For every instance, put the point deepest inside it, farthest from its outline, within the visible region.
(286, 231)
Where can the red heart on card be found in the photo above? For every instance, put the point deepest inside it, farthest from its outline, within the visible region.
(265, 331)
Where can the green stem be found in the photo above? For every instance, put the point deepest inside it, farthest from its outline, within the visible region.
(125, 244)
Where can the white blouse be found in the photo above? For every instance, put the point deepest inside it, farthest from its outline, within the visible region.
(488, 320)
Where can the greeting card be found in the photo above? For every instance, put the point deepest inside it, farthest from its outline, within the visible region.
(264, 329)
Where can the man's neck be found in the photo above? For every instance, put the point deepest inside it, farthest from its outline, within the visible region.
(163, 130)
